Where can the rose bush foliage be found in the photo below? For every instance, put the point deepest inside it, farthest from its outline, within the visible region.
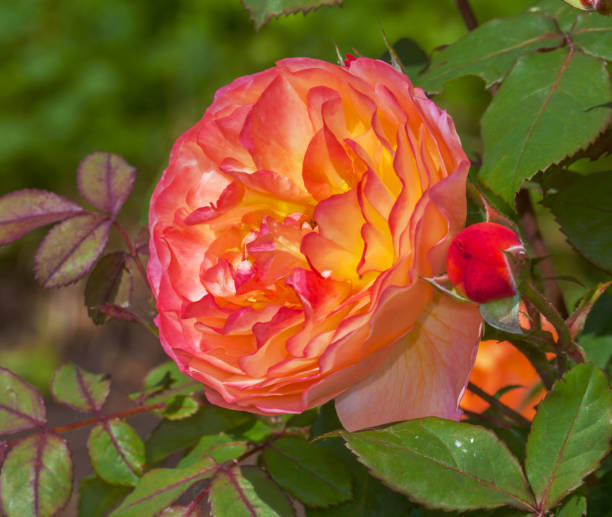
(290, 235)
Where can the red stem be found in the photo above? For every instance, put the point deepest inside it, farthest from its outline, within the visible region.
(467, 14)
(133, 252)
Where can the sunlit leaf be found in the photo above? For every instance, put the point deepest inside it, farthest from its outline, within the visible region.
(160, 487)
(307, 472)
(25, 210)
(97, 498)
(552, 114)
(570, 434)
(36, 477)
(466, 466)
(117, 453)
(179, 407)
(106, 181)
(181, 511)
(21, 405)
(220, 447)
(490, 50)
(109, 282)
(247, 492)
(80, 389)
(164, 382)
(582, 208)
(575, 506)
(70, 249)
(261, 11)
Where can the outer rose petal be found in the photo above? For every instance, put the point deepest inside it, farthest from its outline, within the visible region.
(426, 373)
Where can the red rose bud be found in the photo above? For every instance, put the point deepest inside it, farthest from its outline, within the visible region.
(601, 6)
(477, 265)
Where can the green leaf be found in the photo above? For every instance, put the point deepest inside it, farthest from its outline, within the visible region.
(575, 506)
(80, 389)
(570, 434)
(502, 314)
(21, 404)
(25, 210)
(598, 349)
(551, 113)
(219, 447)
(247, 492)
(582, 208)
(170, 437)
(412, 57)
(97, 498)
(467, 466)
(109, 282)
(117, 453)
(70, 249)
(181, 511)
(306, 471)
(105, 180)
(179, 407)
(165, 382)
(562, 13)
(599, 496)
(36, 477)
(159, 487)
(261, 11)
(490, 50)
(593, 33)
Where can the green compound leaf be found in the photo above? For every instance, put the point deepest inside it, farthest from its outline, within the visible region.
(542, 113)
(171, 437)
(70, 249)
(219, 447)
(109, 282)
(593, 34)
(467, 466)
(165, 382)
(97, 498)
(308, 472)
(80, 389)
(582, 208)
(262, 11)
(105, 180)
(21, 405)
(179, 407)
(490, 50)
(116, 452)
(36, 478)
(247, 492)
(160, 487)
(25, 210)
(570, 434)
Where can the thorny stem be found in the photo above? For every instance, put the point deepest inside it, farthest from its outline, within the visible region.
(515, 417)
(97, 419)
(133, 253)
(467, 14)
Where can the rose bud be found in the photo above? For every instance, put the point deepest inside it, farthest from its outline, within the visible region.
(477, 264)
(290, 235)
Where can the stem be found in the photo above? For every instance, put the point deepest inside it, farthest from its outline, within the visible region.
(120, 414)
(566, 344)
(530, 226)
(515, 417)
(133, 253)
(467, 14)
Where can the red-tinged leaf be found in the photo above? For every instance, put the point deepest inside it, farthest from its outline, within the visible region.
(3, 450)
(117, 453)
(109, 282)
(160, 487)
(36, 478)
(70, 249)
(182, 511)
(106, 181)
(80, 389)
(25, 210)
(115, 311)
(21, 405)
(578, 318)
(262, 11)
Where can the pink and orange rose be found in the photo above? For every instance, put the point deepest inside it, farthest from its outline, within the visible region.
(290, 235)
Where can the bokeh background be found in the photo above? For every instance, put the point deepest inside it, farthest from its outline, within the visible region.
(129, 76)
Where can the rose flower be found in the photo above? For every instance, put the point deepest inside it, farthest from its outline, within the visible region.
(290, 235)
